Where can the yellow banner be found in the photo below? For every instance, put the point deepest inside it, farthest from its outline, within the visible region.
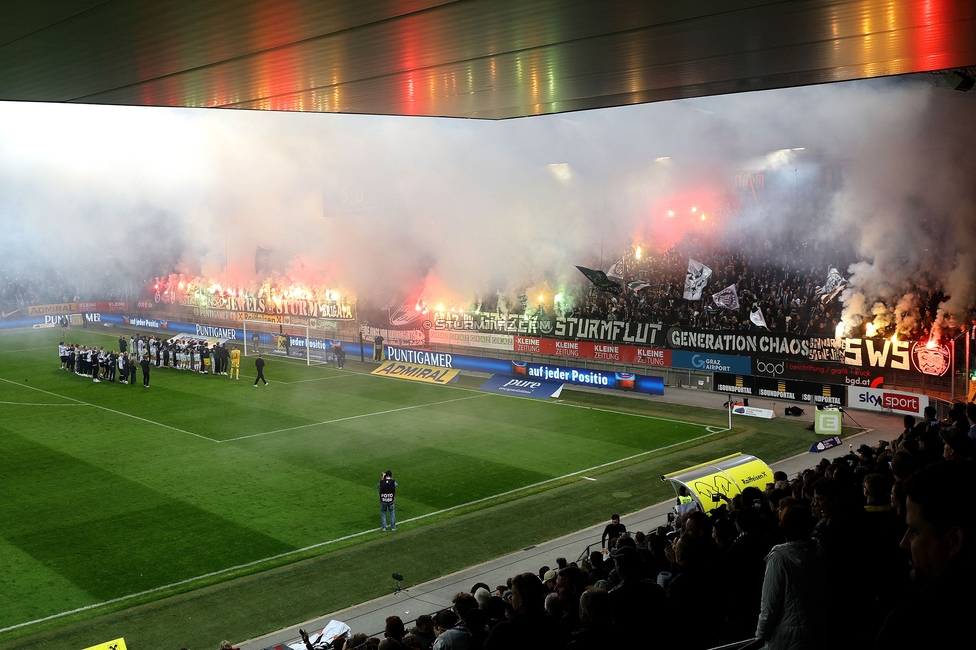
(417, 373)
(118, 644)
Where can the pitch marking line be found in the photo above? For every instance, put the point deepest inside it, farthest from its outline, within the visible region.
(105, 408)
(33, 404)
(344, 537)
(353, 417)
(46, 347)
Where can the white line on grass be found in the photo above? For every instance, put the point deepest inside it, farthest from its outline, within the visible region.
(46, 347)
(344, 537)
(105, 408)
(353, 417)
(33, 404)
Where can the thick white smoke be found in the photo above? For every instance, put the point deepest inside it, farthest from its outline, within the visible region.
(369, 204)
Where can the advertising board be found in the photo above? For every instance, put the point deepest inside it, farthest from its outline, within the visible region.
(874, 399)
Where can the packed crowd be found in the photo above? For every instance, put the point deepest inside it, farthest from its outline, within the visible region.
(783, 280)
(870, 549)
(147, 353)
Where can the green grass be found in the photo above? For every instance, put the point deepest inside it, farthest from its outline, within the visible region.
(108, 491)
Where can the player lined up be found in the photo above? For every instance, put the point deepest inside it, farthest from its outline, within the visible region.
(101, 364)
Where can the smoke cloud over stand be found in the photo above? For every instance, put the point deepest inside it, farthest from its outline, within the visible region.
(373, 204)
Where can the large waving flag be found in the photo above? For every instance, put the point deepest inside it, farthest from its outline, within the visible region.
(617, 270)
(727, 298)
(600, 280)
(756, 316)
(695, 279)
(637, 285)
(834, 285)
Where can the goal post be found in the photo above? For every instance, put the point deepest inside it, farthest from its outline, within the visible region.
(276, 339)
(298, 342)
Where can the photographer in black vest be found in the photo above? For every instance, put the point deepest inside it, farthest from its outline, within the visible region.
(387, 487)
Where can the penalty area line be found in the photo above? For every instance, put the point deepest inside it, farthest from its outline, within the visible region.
(105, 408)
(344, 538)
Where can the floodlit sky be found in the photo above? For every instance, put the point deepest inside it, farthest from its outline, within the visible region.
(366, 203)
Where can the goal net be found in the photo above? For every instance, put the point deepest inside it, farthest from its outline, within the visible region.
(298, 342)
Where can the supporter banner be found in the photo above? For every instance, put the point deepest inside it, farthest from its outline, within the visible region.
(743, 341)
(832, 373)
(872, 399)
(472, 339)
(595, 378)
(711, 362)
(261, 304)
(927, 358)
(144, 304)
(522, 387)
(416, 372)
(588, 329)
(394, 336)
(780, 389)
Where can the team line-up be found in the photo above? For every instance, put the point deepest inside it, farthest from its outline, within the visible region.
(105, 365)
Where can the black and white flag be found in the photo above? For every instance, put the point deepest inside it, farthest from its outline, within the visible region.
(756, 316)
(617, 270)
(727, 298)
(834, 285)
(599, 278)
(695, 279)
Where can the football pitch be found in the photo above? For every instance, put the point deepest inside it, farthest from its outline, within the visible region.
(109, 491)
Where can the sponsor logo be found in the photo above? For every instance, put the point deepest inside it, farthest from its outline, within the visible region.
(437, 359)
(770, 368)
(416, 372)
(8, 314)
(151, 323)
(213, 332)
(43, 310)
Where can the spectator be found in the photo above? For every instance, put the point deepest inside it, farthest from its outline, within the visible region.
(637, 604)
(394, 628)
(941, 520)
(794, 588)
(529, 628)
(597, 629)
(570, 584)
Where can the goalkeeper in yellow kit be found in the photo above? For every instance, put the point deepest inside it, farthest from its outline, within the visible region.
(235, 364)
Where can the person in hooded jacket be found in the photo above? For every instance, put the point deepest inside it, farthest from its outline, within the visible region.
(795, 587)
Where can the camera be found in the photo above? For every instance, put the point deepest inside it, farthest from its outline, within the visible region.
(716, 498)
(670, 517)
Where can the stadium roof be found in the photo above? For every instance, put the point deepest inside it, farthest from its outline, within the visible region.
(489, 59)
